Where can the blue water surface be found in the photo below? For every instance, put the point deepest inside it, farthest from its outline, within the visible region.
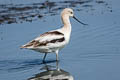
(92, 54)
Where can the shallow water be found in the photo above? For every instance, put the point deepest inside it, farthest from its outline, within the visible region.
(93, 51)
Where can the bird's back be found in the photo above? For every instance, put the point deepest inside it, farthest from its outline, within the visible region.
(47, 42)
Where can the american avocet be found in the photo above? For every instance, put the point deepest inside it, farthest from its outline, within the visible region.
(54, 40)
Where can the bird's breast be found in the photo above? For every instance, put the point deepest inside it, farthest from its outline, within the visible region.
(67, 38)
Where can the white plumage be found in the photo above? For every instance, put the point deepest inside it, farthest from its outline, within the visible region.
(55, 40)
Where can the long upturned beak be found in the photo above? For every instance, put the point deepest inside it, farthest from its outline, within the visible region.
(79, 21)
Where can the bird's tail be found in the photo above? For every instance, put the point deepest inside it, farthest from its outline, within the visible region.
(29, 45)
(23, 46)
(26, 46)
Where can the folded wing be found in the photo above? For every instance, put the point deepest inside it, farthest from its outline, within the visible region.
(45, 39)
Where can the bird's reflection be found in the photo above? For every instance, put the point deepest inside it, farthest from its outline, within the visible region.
(52, 73)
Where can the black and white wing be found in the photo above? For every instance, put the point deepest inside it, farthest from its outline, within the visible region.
(46, 39)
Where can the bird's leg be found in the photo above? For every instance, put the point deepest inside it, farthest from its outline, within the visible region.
(44, 57)
(57, 66)
(57, 55)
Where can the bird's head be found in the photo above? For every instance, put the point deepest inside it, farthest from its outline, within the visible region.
(68, 12)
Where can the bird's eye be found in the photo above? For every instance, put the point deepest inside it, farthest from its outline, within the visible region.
(71, 12)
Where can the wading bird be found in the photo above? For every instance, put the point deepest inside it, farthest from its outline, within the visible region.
(55, 40)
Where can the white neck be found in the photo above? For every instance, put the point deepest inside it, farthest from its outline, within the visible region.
(67, 26)
(66, 22)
